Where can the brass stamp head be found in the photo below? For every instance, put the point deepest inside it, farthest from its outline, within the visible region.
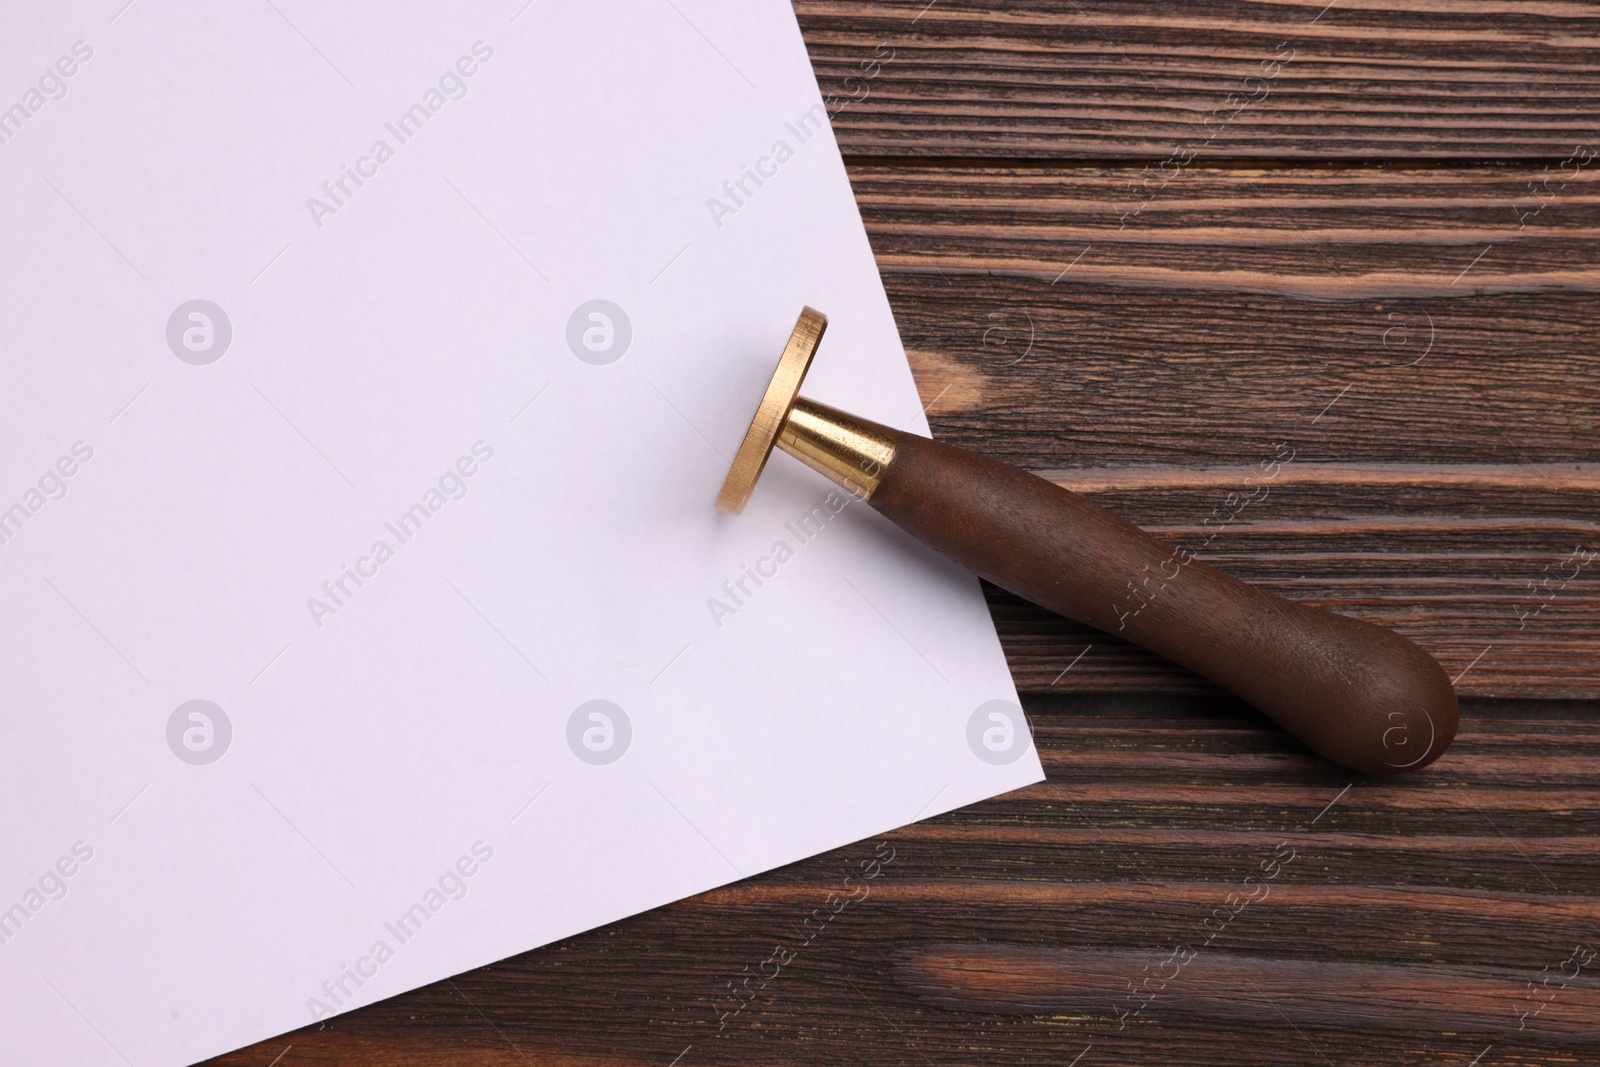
(850, 451)
(773, 412)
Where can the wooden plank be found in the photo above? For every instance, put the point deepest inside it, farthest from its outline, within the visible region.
(1395, 367)
(1480, 874)
(1116, 79)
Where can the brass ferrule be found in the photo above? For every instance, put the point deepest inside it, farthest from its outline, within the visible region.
(850, 451)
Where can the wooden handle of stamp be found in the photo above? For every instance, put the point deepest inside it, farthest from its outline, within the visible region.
(1359, 694)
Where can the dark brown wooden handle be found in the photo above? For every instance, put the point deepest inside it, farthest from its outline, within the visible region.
(1359, 694)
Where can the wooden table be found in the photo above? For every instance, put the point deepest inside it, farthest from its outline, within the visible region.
(1139, 248)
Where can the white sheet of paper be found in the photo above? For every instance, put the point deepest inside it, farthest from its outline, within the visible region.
(396, 507)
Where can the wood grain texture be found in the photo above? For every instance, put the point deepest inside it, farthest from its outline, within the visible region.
(1119, 79)
(1421, 338)
(1422, 333)
(1224, 988)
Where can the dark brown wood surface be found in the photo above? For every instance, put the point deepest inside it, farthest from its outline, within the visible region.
(1124, 80)
(1430, 364)
(1382, 255)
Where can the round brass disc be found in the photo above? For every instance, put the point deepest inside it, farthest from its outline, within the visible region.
(774, 410)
